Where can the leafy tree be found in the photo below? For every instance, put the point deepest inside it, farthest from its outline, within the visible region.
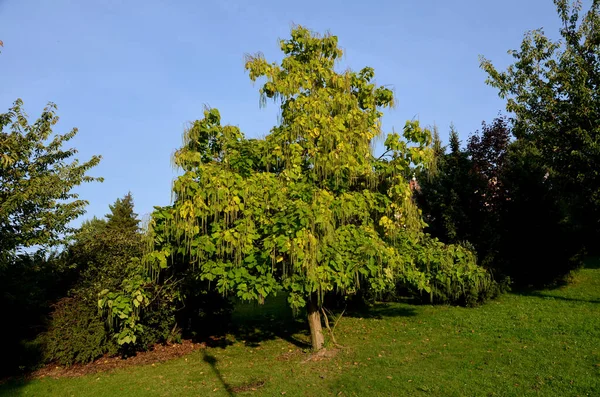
(306, 211)
(462, 199)
(29, 284)
(487, 150)
(495, 195)
(37, 203)
(552, 90)
(537, 244)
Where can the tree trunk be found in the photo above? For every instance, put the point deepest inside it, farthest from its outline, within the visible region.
(314, 322)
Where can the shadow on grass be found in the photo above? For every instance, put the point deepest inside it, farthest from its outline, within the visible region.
(252, 385)
(592, 263)
(12, 387)
(253, 323)
(212, 361)
(254, 334)
(539, 294)
(381, 310)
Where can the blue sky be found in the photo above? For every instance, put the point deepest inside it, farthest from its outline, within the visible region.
(130, 73)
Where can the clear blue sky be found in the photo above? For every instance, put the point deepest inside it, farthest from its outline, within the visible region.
(130, 73)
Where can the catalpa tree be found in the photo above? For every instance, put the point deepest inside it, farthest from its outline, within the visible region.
(308, 209)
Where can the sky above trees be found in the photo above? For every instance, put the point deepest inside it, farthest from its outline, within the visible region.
(130, 74)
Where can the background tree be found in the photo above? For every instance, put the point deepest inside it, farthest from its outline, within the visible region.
(37, 205)
(537, 242)
(447, 194)
(487, 151)
(105, 253)
(496, 197)
(122, 217)
(552, 90)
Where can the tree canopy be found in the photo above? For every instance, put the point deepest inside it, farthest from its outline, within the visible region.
(121, 216)
(309, 209)
(552, 92)
(37, 206)
(37, 202)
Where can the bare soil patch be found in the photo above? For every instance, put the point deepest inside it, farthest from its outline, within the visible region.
(158, 353)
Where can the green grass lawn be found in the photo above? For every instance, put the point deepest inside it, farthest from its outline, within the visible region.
(545, 343)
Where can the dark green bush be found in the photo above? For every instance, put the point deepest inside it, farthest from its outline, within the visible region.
(76, 334)
(542, 240)
(28, 286)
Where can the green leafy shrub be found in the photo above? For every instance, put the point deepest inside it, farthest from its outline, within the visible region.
(453, 274)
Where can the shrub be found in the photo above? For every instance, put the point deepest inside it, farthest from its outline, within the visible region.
(77, 334)
(454, 276)
(28, 285)
(452, 272)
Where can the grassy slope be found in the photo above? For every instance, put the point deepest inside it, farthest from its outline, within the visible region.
(546, 343)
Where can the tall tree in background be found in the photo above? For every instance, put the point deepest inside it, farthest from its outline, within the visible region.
(37, 204)
(487, 150)
(122, 217)
(495, 196)
(447, 194)
(37, 201)
(463, 199)
(552, 90)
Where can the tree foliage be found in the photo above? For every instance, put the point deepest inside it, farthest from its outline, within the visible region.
(29, 284)
(37, 202)
(106, 255)
(306, 211)
(552, 91)
(495, 196)
(37, 205)
(447, 194)
(122, 217)
(537, 243)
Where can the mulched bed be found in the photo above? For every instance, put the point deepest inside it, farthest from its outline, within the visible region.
(158, 353)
